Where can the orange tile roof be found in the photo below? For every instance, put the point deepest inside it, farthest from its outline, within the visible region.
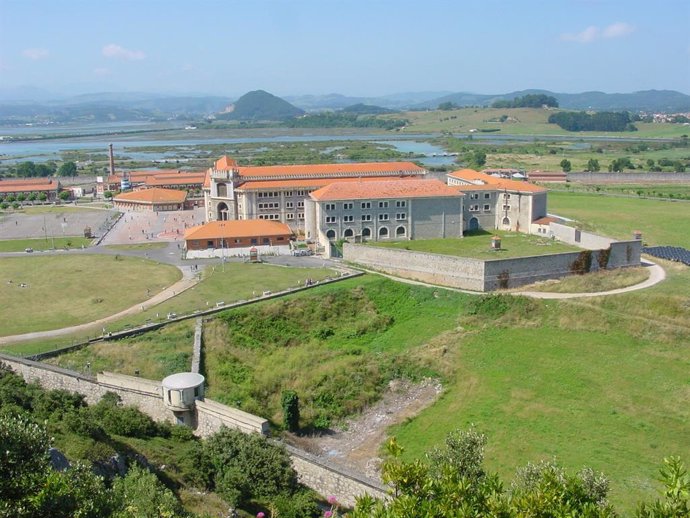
(545, 220)
(28, 184)
(332, 170)
(178, 179)
(489, 182)
(224, 163)
(154, 195)
(413, 188)
(238, 228)
(311, 183)
(207, 180)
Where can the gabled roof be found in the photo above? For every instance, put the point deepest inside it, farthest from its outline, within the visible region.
(238, 228)
(412, 188)
(176, 179)
(332, 170)
(484, 182)
(28, 185)
(224, 163)
(154, 195)
(312, 183)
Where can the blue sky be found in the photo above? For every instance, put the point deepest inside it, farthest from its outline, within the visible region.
(357, 47)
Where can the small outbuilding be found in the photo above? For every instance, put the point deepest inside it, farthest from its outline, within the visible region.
(237, 237)
(180, 393)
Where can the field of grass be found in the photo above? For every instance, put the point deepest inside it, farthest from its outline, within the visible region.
(650, 190)
(65, 290)
(594, 282)
(478, 245)
(521, 121)
(661, 222)
(600, 382)
(155, 355)
(239, 281)
(19, 245)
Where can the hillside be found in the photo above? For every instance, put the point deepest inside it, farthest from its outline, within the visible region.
(261, 106)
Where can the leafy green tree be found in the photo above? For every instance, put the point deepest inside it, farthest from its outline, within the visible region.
(676, 494)
(67, 169)
(26, 169)
(141, 495)
(290, 403)
(21, 197)
(43, 196)
(108, 194)
(593, 165)
(64, 195)
(32, 197)
(566, 166)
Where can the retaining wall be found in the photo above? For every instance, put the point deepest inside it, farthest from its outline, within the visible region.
(630, 178)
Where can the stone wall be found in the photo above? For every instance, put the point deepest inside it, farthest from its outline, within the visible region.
(576, 237)
(629, 177)
(444, 270)
(212, 416)
(328, 479)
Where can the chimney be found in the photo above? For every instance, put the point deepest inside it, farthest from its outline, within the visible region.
(112, 160)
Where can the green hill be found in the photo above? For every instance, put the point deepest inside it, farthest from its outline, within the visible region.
(260, 105)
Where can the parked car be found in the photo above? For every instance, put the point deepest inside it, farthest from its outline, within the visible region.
(28, 250)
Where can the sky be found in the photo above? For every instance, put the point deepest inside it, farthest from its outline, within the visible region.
(358, 48)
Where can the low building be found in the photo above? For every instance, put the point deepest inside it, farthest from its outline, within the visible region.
(498, 203)
(191, 181)
(384, 210)
(237, 238)
(30, 187)
(151, 199)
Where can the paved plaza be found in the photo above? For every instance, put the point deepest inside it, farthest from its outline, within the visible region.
(150, 227)
(55, 222)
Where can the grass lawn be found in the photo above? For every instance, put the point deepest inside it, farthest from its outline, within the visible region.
(155, 355)
(239, 281)
(478, 245)
(600, 382)
(140, 246)
(661, 222)
(19, 245)
(65, 290)
(602, 280)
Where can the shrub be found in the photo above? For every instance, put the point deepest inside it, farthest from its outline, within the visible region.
(290, 403)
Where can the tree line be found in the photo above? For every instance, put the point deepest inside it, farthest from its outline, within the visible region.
(343, 120)
(599, 121)
(29, 169)
(528, 101)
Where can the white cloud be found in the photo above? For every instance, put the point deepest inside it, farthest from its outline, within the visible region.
(617, 30)
(593, 33)
(590, 34)
(102, 71)
(116, 51)
(35, 54)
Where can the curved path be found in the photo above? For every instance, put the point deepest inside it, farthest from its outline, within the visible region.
(656, 275)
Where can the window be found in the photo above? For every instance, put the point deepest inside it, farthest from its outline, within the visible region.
(401, 203)
(300, 204)
(383, 232)
(301, 193)
(366, 217)
(366, 204)
(400, 232)
(289, 216)
(400, 216)
(487, 195)
(287, 194)
(348, 206)
(383, 205)
(383, 217)
(330, 219)
(269, 216)
(254, 241)
(474, 208)
(348, 233)
(474, 196)
(272, 205)
(366, 232)
(300, 215)
(289, 205)
(330, 234)
(329, 206)
(506, 196)
(348, 219)
(506, 207)
(487, 207)
(266, 241)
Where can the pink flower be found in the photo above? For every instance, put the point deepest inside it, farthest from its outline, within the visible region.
(260, 515)
(328, 514)
(332, 500)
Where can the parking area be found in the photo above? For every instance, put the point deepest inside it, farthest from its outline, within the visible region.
(54, 222)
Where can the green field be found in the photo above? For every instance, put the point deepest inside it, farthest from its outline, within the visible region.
(238, 281)
(65, 290)
(478, 245)
(20, 245)
(661, 222)
(593, 282)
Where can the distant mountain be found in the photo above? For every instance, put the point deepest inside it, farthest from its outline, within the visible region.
(366, 109)
(668, 101)
(338, 101)
(260, 106)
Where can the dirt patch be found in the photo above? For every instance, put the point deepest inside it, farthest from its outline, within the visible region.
(357, 444)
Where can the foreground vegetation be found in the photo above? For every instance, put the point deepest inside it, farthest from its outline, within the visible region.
(37, 244)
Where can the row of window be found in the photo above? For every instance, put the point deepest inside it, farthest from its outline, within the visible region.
(475, 208)
(286, 194)
(290, 216)
(276, 205)
(475, 196)
(383, 232)
(366, 205)
(400, 216)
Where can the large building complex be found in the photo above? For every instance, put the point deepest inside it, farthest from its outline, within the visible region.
(27, 187)
(278, 193)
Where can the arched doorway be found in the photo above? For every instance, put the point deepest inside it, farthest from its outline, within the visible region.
(400, 232)
(348, 233)
(366, 232)
(330, 234)
(474, 224)
(383, 232)
(506, 222)
(222, 211)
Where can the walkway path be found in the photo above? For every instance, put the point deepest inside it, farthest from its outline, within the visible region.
(188, 280)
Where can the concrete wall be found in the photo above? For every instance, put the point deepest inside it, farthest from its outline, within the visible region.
(329, 479)
(430, 218)
(237, 252)
(629, 177)
(580, 238)
(456, 272)
(212, 416)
